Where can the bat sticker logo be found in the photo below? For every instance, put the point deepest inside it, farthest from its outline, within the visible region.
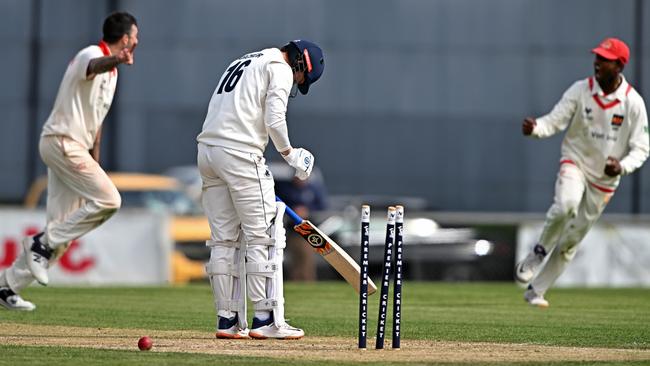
(315, 240)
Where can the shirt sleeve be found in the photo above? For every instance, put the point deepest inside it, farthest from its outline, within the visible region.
(277, 98)
(639, 142)
(560, 117)
(82, 59)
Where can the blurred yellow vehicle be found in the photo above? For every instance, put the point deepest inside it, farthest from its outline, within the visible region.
(189, 228)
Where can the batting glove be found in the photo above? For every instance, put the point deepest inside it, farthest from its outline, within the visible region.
(302, 160)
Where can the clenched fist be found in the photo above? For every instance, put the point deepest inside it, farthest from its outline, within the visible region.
(612, 167)
(528, 126)
(126, 56)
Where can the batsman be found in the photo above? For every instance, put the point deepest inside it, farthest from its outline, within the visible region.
(247, 242)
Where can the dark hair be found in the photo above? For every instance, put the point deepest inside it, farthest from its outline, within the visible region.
(117, 25)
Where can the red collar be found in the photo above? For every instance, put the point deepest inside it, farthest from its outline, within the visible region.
(107, 52)
(599, 101)
(104, 46)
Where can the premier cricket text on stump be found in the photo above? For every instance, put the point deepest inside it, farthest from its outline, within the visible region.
(392, 248)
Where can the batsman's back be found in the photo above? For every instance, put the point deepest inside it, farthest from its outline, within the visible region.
(237, 112)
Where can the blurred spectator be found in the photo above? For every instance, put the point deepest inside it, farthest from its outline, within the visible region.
(305, 197)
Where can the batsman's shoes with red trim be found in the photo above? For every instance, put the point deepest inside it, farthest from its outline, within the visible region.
(525, 270)
(263, 329)
(535, 299)
(37, 256)
(229, 329)
(12, 301)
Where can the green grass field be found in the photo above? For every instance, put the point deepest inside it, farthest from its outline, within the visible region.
(495, 313)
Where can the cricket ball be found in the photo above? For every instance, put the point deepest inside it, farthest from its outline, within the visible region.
(145, 343)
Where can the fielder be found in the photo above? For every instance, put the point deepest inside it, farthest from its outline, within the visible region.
(248, 106)
(607, 137)
(80, 196)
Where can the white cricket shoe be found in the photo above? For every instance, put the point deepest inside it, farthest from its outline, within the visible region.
(535, 299)
(263, 329)
(12, 301)
(229, 329)
(525, 270)
(37, 256)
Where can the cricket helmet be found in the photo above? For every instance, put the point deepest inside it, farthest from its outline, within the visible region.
(307, 57)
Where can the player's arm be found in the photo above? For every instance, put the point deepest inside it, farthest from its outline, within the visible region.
(275, 111)
(639, 143)
(103, 64)
(559, 117)
(94, 151)
(277, 98)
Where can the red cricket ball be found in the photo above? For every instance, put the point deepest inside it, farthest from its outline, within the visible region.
(145, 343)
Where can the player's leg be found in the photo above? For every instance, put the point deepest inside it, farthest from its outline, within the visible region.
(261, 223)
(75, 169)
(12, 280)
(271, 325)
(226, 267)
(13, 301)
(590, 210)
(60, 201)
(569, 190)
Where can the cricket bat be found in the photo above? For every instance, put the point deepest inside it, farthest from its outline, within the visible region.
(331, 252)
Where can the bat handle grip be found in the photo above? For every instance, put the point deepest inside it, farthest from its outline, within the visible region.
(292, 214)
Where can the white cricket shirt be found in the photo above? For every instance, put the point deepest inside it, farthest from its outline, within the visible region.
(81, 104)
(599, 126)
(249, 100)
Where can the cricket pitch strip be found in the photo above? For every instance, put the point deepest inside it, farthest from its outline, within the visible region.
(311, 348)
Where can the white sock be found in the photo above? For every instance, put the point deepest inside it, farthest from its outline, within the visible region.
(226, 314)
(262, 315)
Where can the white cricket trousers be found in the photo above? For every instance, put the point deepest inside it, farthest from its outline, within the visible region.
(576, 207)
(238, 196)
(80, 197)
